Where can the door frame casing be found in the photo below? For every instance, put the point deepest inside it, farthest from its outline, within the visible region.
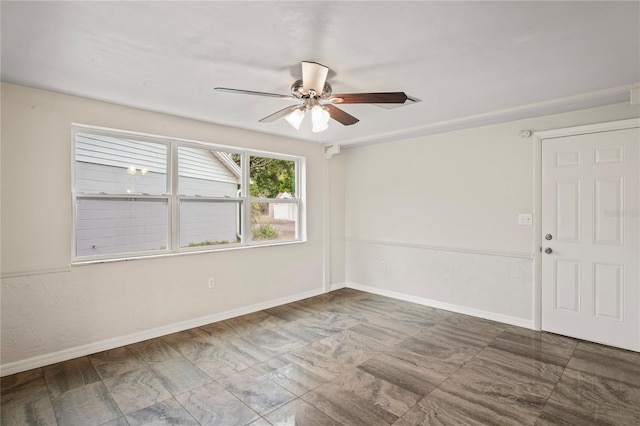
(538, 138)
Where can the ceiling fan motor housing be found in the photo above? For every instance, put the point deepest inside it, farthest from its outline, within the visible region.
(297, 90)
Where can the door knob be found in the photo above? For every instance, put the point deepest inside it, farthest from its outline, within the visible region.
(548, 237)
(548, 250)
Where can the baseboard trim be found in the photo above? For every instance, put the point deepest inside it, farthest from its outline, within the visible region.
(506, 319)
(337, 286)
(103, 345)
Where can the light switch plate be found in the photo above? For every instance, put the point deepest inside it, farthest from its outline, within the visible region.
(525, 219)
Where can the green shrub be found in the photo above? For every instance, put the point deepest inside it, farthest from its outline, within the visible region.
(209, 243)
(265, 232)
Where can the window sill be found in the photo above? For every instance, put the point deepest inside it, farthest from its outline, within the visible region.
(83, 262)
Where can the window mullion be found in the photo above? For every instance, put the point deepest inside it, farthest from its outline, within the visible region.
(172, 186)
(246, 194)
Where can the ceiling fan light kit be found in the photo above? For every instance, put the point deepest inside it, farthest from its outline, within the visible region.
(295, 118)
(313, 89)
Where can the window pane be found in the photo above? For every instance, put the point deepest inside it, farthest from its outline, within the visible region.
(273, 221)
(209, 223)
(118, 165)
(272, 178)
(108, 226)
(206, 173)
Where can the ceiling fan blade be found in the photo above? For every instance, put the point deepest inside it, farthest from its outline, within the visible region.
(369, 98)
(340, 116)
(251, 92)
(279, 114)
(314, 76)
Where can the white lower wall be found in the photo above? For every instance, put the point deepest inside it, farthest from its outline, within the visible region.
(491, 285)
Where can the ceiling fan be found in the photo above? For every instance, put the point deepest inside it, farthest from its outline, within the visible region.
(315, 93)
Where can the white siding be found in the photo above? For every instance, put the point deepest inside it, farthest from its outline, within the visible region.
(207, 188)
(207, 221)
(202, 164)
(120, 152)
(106, 226)
(94, 178)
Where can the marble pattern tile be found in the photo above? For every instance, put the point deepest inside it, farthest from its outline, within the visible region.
(437, 351)
(603, 361)
(31, 412)
(600, 385)
(246, 324)
(348, 347)
(260, 422)
(65, 376)
(153, 350)
(25, 387)
(348, 408)
(330, 323)
(255, 390)
(443, 408)
(407, 370)
(290, 312)
(318, 363)
(387, 336)
(301, 331)
(542, 346)
(450, 336)
(494, 387)
(114, 362)
(273, 341)
(212, 405)
(582, 398)
(480, 326)
(178, 375)
(168, 412)
(295, 378)
(345, 357)
(120, 421)
(300, 413)
(220, 330)
(136, 389)
(246, 352)
(188, 340)
(388, 396)
(215, 362)
(26, 400)
(86, 405)
(404, 326)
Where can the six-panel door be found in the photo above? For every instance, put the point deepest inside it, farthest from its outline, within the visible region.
(591, 209)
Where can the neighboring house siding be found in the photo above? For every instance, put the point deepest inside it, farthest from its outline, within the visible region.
(201, 164)
(197, 221)
(107, 226)
(120, 152)
(94, 178)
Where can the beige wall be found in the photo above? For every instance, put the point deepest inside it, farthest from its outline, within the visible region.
(51, 310)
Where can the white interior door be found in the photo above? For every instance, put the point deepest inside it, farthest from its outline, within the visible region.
(591, 234)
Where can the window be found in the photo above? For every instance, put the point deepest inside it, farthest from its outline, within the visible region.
(138, 195)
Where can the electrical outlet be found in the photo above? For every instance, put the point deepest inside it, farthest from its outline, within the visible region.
(383, 265)
(212, 282)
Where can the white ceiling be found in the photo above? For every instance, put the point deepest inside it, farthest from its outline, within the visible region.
(469, 62)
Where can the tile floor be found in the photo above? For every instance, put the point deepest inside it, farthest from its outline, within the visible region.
(343, 358)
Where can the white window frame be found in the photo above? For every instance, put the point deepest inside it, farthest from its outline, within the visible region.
(173, 198)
